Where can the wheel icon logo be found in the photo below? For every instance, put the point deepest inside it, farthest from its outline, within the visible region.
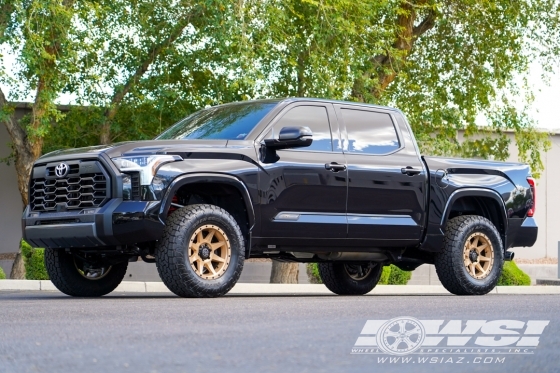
(401, 336)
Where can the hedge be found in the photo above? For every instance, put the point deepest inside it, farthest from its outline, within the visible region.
(34, 261)
(512, 275)
(2, 274)
(391, 275)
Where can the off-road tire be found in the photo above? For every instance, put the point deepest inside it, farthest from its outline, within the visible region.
(449, 263)
(64, 275)
(336, 279)
(172, 259)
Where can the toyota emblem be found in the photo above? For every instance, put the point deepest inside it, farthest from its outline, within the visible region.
(61, 170)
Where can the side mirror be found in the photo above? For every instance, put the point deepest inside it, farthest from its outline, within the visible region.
(291, 137)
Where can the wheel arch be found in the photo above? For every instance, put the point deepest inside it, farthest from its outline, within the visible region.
(477, 201)
(223, 182)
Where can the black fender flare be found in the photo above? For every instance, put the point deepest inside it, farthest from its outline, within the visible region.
(185, 179)
(474, 192)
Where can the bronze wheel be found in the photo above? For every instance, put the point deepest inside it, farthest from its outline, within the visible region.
(472, 256)
(209, 252)
(201, 253)
(357, 272)
(73, 275)
(91, 273)
(350, 278)
(478, 255)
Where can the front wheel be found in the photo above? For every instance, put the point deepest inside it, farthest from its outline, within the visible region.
(201, 253)
(73, 275)
(472, 257)
(350, 278)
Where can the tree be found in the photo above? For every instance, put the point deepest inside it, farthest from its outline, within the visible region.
(449, 65)
(39, 31)
(97, 51)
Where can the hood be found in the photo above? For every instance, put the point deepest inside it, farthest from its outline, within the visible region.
(133, 148)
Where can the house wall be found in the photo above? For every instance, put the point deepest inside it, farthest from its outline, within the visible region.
(11, 207)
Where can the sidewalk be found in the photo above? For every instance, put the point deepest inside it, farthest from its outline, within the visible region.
(279, 289)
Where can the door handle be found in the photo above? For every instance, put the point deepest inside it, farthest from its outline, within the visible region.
(335, 167)
(411, 171)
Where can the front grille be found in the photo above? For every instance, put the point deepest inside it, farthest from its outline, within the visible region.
(86, 185)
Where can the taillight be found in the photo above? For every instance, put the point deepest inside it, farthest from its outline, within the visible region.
(531, 182)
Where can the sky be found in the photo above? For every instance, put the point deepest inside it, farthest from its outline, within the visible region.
(547, 102)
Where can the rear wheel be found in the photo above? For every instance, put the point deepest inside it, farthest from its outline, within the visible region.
(350, 278)
(472, 258)
(73, 275)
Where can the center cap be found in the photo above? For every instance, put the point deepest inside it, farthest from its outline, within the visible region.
(204, 252)
(473, 256)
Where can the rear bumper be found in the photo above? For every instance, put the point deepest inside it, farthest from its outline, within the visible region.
(522, 232)
(117, 223)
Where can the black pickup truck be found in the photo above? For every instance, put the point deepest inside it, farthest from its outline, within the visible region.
(304, 180)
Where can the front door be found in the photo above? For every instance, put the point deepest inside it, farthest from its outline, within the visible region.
(304, 192)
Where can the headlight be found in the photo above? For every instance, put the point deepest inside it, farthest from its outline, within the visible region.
(146, 165)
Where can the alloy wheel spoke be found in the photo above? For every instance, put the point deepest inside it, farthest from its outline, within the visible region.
(217, 245)
(217, 258)
(209, 236)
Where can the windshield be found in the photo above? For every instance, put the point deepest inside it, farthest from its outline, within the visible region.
(227, 122)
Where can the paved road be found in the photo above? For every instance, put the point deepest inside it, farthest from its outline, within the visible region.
(49, 332)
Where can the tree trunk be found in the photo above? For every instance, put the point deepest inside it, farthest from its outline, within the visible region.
(18, 269)
(284, 273)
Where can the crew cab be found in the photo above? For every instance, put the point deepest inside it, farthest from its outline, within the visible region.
(305, 180)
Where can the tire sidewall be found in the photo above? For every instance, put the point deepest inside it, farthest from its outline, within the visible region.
(346, 285)
(172, 259)
(235, 245)
(489, 282)
(63, 273)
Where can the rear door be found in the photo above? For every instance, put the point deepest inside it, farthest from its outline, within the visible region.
(303, 199)
(387, 180)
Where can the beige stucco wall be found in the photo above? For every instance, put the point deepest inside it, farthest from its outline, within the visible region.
(548, 205)
(11, 206)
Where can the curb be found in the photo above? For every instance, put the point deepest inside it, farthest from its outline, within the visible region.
(281, 289)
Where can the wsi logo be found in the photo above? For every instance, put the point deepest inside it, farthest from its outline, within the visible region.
(406, 335)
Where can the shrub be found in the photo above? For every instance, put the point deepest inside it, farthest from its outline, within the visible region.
(384, 280)
(512, 275)
(34, 261)
(391, 275)
(2, 274)
(313, 273)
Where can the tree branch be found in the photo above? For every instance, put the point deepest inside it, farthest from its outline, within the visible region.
(153, 53)
(385, 66)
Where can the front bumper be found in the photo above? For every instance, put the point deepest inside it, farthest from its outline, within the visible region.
(116, 223)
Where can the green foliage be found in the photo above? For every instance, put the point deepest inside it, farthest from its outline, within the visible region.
(313, 273)
(393, 275)
(384, 280)
(34, 260)
(512, 275)
(143, 65)
(2, 274)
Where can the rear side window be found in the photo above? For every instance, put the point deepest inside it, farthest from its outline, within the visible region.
(314, 117)
(369, 132)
